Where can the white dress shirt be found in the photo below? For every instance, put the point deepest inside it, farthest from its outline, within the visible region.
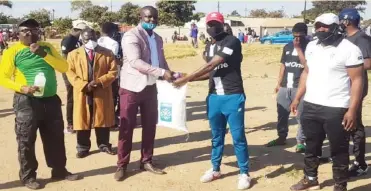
(112, 45)
(109, 43)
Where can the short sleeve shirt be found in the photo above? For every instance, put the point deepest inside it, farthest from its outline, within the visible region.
(110, 44)
(328, 82)
(363, 41)
(293, 67)
(226, 78)
(69, 43)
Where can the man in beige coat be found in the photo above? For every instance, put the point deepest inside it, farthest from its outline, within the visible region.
(91, 73)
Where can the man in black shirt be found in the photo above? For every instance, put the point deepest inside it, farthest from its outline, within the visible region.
(68, 44)
(288, 81)
(226, 100)
(350, 19)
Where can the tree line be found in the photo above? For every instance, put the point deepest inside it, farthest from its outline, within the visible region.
(171, 13)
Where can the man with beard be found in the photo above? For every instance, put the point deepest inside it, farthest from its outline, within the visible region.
(330, 103)
(287, 84)
(68, 44)
(36, 107)
(349, 21)
(226, 99)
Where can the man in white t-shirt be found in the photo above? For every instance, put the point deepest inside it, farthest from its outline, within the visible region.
(107, 40)
(330, 103)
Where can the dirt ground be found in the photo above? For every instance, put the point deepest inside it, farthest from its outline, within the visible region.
(185, 161)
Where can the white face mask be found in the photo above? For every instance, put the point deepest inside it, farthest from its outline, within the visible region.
(91, 45)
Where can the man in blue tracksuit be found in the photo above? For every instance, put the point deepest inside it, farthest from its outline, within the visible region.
(226, 100)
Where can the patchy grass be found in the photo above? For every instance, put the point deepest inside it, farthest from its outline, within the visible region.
(178, 51)
(267, 54)
(172, 51)
(293, 171)
(262, 53)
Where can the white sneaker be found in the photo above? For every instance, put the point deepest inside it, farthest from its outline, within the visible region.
(210, 175)
(244, 181)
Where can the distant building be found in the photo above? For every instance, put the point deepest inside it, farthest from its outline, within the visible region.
(10, 27)
(272, 24)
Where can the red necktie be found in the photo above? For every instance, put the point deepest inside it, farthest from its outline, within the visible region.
(91, 55)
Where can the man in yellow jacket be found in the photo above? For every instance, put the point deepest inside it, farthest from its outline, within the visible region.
(28, 68)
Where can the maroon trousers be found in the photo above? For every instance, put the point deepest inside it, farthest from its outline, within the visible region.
(129, 104)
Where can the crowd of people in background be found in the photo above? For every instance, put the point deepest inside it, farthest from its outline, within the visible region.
(110, 79)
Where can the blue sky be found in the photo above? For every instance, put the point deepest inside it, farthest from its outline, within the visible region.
(62, 8)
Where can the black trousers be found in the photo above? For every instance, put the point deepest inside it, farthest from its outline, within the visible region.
(69, 107)
(83, 137)
(44, 114)
(359, 139)
(319, 121)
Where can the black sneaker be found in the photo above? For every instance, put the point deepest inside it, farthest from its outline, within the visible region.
(306, 184)
(32, 184)
(356, 170)
(340, 187)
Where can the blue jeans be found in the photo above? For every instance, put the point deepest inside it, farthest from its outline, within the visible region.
(220, 110)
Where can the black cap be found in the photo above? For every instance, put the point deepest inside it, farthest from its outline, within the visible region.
(29, 22)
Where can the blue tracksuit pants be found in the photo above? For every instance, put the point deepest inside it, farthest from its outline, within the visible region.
(223, 109)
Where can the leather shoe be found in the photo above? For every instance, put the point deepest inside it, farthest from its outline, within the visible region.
(32, 184)
(108, 151)
(120, 174)
(82, 154)
(65, 175)
(150, 168)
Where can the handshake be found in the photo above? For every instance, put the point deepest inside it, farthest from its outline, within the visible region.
(174, 77)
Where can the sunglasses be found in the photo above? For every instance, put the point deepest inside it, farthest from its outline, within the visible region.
(30, 30)
(320, 25)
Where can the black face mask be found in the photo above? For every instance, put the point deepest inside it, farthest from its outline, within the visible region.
(327, 38)
(215, 31)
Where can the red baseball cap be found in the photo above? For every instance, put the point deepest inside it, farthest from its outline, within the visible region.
(215, 16)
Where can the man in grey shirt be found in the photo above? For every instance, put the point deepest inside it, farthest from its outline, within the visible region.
(349, 21)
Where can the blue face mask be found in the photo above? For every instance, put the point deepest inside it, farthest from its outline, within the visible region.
(148, 26)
